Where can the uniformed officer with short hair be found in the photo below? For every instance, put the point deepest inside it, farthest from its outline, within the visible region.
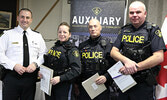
(140, 47)
(95, 58)
(21, 57)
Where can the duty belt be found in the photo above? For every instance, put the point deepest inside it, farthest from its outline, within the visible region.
(140, 76)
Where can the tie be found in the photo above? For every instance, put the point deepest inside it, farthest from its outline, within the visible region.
(25, 50)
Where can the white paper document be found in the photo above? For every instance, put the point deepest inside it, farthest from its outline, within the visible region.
(47, 74)
(92, 88)
(124, 82)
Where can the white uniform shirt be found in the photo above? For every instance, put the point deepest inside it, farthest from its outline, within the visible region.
(11, 47)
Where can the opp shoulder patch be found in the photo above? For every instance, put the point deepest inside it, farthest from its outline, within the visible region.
(75, 53)
(158, 33)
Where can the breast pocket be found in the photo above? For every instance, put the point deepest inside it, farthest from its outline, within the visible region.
(15, 47)
(34, 47)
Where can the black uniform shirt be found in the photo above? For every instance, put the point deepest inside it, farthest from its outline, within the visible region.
(140, 36)
(64, 59)
(92, 50)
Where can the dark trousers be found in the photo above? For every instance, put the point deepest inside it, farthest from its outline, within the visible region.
(18, 88)
(61, 91)
(83, 95)
(141, 91)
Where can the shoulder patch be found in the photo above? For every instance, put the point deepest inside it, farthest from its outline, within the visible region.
(75, 53)
(158, 33)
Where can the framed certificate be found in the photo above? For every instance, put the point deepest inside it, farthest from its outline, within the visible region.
(47, 74)
(5, 20)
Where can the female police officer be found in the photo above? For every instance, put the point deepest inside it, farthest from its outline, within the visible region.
(64, 59)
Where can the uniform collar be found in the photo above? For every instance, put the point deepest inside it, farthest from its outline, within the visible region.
(94, 41)
(140, 26)
(62, 43)
(20, 30)
(66, 44)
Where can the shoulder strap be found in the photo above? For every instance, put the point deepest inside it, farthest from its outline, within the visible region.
(149, 28)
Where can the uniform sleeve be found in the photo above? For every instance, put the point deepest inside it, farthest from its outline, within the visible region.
(74, 64)
(157, 42)
(117, 42)
(110, 60)
(4, 60)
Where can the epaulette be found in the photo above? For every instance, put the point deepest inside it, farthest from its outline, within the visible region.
(35, 31)
(154, 25)
(150, 25)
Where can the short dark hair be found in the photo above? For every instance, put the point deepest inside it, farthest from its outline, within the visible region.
(26, 10)
(66, 24)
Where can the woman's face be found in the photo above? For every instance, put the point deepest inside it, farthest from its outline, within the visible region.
(63, 33)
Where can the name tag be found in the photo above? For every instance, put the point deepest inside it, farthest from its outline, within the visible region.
(15, 42)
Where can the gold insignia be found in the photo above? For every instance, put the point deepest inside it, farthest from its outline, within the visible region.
(15, 42)
(75, 53)
(96, 10)
(127, 31)
(158, 32)
(154, 25)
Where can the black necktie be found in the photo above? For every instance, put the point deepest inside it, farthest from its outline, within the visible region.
(25, 50)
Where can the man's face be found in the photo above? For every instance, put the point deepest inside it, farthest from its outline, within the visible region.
(94, 28)
(137, 14)
(24, 19)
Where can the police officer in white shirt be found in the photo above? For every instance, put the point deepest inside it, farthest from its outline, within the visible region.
(20, 80)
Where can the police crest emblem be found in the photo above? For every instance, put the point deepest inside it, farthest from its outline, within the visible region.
(158, 33)
(75, 53)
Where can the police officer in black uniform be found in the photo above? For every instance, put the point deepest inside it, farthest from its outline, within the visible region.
(140, 47)
(95, 58)
(64, 59)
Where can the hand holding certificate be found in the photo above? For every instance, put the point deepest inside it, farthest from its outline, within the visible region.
(124, 82)
(47, 74)
(92, 88)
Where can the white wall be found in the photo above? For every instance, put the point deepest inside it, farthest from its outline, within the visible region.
(156, 10)
(156, 13)
(48, 28)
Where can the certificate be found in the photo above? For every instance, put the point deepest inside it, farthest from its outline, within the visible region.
(124, 82)
(92, 88)
(47, 74)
